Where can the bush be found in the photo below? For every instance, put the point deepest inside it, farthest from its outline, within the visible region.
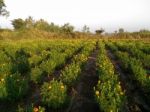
(124, 59)
(48, 66)
(70, 74)
(36, 75)
(54, 94)
(3, 92)
(137, 70)
(16, 86)
(34, 60)
(20, 63)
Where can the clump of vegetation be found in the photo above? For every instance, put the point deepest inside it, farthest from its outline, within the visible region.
(108, 91)
(70, 74)
(16, 86)
(3, 11)
(54, 94)
(37, 75)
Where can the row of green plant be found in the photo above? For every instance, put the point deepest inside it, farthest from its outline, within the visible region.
(71, 72)
(108, 91)
(143, 46)
(134, 51)
(146, 49)
(14, 76)
(57, 100)
(16, 70)
(54, 60)
(57, 56)
(52, 49)
(21, 58)
(54, 93)
(134, 67)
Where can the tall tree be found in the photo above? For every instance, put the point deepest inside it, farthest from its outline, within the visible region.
(42, 25)
(99, 32)
(86, 29)
(3, 11)
(67, 28)
(29, 22)
(121, 30)
(18, 24)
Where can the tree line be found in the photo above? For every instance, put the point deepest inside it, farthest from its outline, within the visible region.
(67, 29)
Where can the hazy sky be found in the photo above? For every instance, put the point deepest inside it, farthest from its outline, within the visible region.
(131, 15)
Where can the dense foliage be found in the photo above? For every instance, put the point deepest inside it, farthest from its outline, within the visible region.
(44, 72)
(108, 92)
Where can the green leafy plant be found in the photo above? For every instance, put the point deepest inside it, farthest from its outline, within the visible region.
(16, 86)
(37, 75)
(54, 94)
(108, 91)
(48, 66)
(70, 74)
(3, 92)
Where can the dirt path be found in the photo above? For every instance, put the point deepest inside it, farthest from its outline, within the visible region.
(83, 99)
(136, 99)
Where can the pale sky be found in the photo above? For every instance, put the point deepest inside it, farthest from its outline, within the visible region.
(131, 15)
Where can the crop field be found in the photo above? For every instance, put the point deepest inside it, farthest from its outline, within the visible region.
(75, 75)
